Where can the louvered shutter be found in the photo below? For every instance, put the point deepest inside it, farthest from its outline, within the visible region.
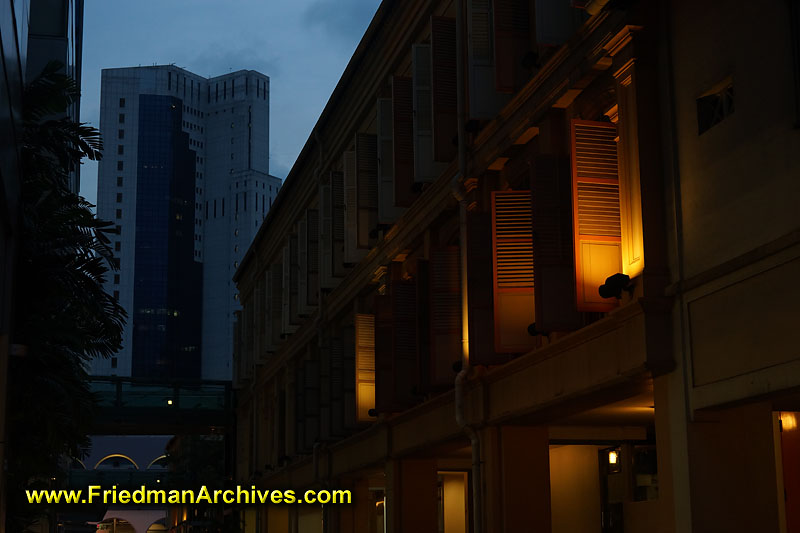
(299, 408)
(513, 271)
(512, 42)
(294, 279)
(325, 391)
(275, 306)
(384, 355)
(481, 290)
(403, 140)
(326, 237)
(337, 387)
(424, 324)
(388, 211)
(396, 365)
(553, 270)
(443, 86)
(365, 366)
(366, 186)
(302, 267)
(423, 113)
(351, 252)
(349, 379)
(596, 221)
(286, 292)
(484, 101)
(311, 401)
(260, 335)
(445, 315)
(337, 188)
(312, 273)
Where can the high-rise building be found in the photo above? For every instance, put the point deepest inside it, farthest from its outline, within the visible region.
(185, 179)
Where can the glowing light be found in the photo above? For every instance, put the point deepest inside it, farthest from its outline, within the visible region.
(169, 402)
(788, 421)
(613, 457)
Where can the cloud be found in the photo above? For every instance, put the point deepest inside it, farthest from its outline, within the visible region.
(215, 61)
(342, 19)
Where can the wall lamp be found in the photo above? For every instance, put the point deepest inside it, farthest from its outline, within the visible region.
(614, 286)
(614, 461)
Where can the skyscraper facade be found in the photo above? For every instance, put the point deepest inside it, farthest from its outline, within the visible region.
(185, 179)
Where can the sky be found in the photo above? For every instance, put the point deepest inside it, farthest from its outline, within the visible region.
(302, 45)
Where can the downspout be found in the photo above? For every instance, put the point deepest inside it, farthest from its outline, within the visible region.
(459, 193)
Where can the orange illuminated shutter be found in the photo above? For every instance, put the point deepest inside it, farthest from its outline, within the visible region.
(445, 314)
(443, 85)
(513, 271)
(596, 221)
(365, 366)
(366, 186)
(403, 139)
(553, 263)
(512, 42)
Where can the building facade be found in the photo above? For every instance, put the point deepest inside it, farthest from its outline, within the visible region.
(184, 155)
(534, 271)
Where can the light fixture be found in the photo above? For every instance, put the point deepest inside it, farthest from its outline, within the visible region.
(169, 402)
(613, 457)
(614, 286)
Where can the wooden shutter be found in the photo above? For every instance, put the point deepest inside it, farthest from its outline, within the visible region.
(512, 42)
(339, 224)
(349, 377)
(484, 101)
(311, 402)
(595, 201)
(481, 290)
(351, 252)
(274, 323)
(337, 387)
(290, 286)
(326, 236)
(553, 270)
(259, 298)
(423, 113)
(312, 272)
(299, 408)
(325, 391)
(424, 324)
(396, 375)
(388, 212)
(302, 267)
(365, 366)
(366, 187)
(630, 190)
(403, 140)
(445, 314)
(512, 242)
(384, 355)
(443, 86)
(286, 292)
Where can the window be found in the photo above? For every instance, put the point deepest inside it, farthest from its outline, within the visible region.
(119, 165)
(119, 181)
(117, 246)
(116, 295)
(116, 279)
(119, 213)
(113, 362)
(118, 230)
(119, 197)
(121, 134)
(122, 118)
(120, 149)
(122, 102)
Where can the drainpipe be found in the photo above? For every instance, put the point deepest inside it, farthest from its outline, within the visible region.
(458, 192)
